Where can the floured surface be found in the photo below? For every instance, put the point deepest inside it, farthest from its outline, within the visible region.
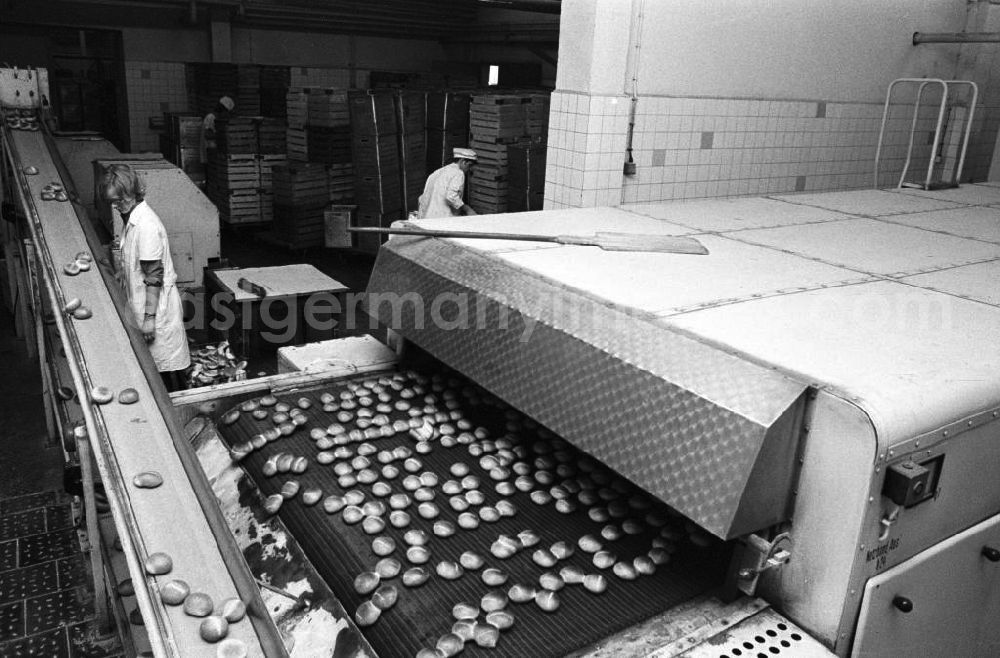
(664, 284)
(779, 294)
(734, 214)
(868, 203)
(874, 247)
(970, 194)
(980, 223)
(278, 281)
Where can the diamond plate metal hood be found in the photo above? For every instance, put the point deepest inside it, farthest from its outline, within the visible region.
(710, 433)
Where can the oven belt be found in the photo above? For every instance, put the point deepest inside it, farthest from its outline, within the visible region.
(421, 615)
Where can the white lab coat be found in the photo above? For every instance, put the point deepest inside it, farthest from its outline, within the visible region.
(207, 125)
(145, 238)
(443, 191)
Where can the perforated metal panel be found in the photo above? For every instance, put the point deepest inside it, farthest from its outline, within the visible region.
(765, 635)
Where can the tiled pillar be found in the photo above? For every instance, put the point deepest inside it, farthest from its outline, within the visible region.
(588, 116)
(586, 150)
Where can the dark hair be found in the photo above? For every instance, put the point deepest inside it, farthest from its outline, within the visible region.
(121, 180)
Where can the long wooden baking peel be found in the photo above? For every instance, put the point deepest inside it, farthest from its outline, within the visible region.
(607, 241)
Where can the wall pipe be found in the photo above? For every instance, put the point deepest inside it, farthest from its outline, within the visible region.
(955, 37)
(632, 84)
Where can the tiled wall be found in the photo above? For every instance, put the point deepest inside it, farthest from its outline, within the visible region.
(153, 88)
(700, 147)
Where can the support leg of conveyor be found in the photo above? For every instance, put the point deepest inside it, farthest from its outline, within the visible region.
(93, 532)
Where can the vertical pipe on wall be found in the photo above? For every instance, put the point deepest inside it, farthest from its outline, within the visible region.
(632, 83)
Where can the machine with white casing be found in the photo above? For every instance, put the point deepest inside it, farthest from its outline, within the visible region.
(801, 426)
(822, 389)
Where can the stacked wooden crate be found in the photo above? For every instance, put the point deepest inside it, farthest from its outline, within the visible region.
(525, 176)
(248, 149)
(274, 84)
(447, 121)
(340, 182)
(232, 176)
(378, 182)
(301, 194)
(297, 112)
(411, 117)
(497, 121)
(247, 90)
(233, 185)
(236, 135)
(271, 136)
(266, 164)
(328, 126)
(180, 143)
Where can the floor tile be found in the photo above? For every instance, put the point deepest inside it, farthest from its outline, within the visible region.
(22, 524)
(30, 581)
(50, 644)
(30, 501)
(48, 546)
(57, 609)
(73, 572)
(8, 555)
(58, 517)
(11, 621)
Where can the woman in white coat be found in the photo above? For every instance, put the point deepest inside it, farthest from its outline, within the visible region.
(148, 276)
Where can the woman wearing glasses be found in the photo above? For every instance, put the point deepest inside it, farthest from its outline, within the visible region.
(148, 275)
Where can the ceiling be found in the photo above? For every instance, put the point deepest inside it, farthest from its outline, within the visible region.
(506, 21)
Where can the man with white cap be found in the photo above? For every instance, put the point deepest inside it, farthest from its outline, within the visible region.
(222, 109)
(445, 187)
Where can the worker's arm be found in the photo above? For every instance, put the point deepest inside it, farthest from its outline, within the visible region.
(151, 255)
(456, 189)
(152, 276)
